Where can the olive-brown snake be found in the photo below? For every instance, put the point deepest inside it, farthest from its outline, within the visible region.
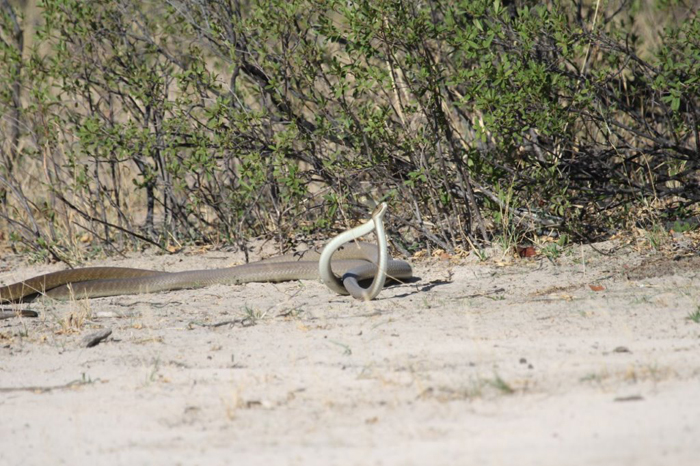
(353, 262)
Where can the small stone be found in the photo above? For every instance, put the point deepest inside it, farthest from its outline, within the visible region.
(95, 338)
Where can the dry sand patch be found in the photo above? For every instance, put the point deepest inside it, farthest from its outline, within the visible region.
(474, 362)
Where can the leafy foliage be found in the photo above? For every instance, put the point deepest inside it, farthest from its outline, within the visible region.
(209, 121)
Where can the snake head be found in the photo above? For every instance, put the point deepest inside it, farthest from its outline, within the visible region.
(379, 211)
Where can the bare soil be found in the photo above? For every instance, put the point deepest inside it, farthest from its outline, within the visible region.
(589, 358)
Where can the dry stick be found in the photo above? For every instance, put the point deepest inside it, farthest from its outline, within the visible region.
(486, 294)
(89, 217)
(17, 35)
(25, 204)
(465, 177)
(552, 221)
(557, 147)
(244, 322)
(37, 389)
(6, 313)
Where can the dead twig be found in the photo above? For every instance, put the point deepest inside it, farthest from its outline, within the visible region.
(10, 313)
(245, 322)
(40, 389)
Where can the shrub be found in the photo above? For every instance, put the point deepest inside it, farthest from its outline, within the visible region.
(207, 121)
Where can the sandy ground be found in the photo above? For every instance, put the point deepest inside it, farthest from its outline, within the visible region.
(475, 363)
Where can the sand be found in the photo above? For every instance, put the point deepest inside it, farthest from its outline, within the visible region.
(582, 359)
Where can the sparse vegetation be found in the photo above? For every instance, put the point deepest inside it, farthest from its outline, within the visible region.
(253, 315)
(153, 371)
(551, 250)
(75, 320)
(476, 388)
(501, 385)
(682, 226)
(656, 236)
(347, 351)
(695, 316)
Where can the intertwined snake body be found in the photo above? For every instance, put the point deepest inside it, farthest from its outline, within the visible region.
(352, 261)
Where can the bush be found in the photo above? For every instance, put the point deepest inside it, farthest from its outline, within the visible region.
(205, 121)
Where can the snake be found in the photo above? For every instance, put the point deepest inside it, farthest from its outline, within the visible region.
(342, 264)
